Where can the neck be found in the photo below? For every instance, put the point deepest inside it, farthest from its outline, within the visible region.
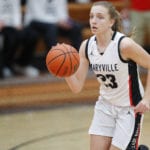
(103, 40)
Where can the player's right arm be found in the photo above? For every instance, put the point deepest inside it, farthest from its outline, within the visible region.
(76, 81)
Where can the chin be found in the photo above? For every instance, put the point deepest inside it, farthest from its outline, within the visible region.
(93, 31)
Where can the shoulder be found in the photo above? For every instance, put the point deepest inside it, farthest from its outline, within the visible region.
(128, 47)
(130, 50)
(126, 43)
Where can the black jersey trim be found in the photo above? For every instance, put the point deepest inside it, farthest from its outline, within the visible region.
(113, 36)
(133, 145)
(86, 49)
(125, 61)
(134, 89)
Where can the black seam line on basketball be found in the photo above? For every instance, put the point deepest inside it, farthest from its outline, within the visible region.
(58, 56)
(71, 70)
(68, 52)
(61, 65)
(50, 136)
(75, 57)
(55, 58)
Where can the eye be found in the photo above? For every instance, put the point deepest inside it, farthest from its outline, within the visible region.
(91, 16)
(100, 17)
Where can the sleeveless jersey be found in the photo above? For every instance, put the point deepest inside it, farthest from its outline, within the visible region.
(119, 79)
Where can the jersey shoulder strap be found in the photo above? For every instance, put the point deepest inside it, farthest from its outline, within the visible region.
(86, 49)
(119, 51)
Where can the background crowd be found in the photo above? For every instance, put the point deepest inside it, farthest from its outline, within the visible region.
(20, 30)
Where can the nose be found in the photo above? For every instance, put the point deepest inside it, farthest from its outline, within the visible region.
(93, 20)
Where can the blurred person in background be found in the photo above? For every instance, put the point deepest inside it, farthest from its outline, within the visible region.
(139, 14)
(10, 22)
(51, 19)
(83, 1)
(15, 36)
(1, 57)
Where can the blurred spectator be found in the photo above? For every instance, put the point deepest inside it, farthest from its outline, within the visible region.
(24, 60)
(79, 1)
(1, 57)
(13, 37)
(10, 22)
(51, 19)
(126, 23)
(83, 1)
(139, 13)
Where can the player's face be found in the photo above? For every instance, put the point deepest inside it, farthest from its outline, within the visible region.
(100, 20)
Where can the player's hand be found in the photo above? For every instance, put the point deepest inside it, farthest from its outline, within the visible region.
(142, 107)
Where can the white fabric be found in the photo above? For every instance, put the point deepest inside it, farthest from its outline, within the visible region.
(10, 12)
(113, 121)
(49, 11)
(112, 72)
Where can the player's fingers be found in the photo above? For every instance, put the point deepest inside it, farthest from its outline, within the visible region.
(141, 108)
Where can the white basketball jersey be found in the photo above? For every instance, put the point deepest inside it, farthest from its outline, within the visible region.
(119, 79)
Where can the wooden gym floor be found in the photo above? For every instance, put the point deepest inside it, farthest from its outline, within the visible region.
(43, 114)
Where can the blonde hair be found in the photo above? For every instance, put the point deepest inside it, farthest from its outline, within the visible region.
(114, 14)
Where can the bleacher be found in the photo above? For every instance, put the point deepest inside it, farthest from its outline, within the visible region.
(80, 13)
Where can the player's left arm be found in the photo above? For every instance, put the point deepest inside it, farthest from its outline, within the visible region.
(130, 50)
(144, 105)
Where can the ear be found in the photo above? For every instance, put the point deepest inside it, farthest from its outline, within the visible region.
(112, 21)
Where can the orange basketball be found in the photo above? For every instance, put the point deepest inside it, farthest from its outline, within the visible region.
(62, 60)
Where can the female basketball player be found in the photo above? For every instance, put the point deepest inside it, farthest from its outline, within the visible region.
(114, 58)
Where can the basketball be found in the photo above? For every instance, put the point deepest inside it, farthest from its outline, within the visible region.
(62, 60)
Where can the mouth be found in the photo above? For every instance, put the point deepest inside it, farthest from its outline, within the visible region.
(93, 28)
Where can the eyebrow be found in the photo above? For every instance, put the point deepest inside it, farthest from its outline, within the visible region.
(97, 13)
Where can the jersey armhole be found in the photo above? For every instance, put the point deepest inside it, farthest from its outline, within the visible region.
(125, 61)
(86, 49)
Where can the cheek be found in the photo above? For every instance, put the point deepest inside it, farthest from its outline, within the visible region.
(103, 23)
(103, 27)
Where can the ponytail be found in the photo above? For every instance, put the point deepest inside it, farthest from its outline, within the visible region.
(117, 26)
